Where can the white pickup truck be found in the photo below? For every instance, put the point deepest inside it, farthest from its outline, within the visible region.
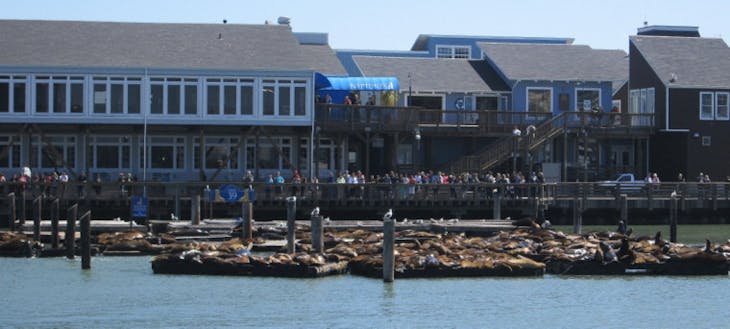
(625, 182)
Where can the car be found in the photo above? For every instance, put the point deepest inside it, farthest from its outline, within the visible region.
(625, 182)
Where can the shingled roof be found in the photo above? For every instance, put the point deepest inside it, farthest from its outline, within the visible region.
(433, 74)
(29, 43)
(693, 62)
(554, 62)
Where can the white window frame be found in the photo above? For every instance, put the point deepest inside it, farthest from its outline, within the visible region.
(221, 83)
(181, 82)
(527, 98)
(711, 115)
(12, 159)
(452, 51)
(282, 142)
(726, 106)
(54, 79)
(579, 107)
(64, 142)
(173, 141)
(108, 81)
(13, 80)
(229, 142)
(273, 85)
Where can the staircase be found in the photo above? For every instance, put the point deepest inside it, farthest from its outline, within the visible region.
(501, 150)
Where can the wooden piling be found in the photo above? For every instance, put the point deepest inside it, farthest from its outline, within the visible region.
(195, 208)
(577, 215)
(13, 212)
(71, 215)
(55, 210)
(23, 212)
(388, 250)
(673, 220)
(86, 241)
(624, 209)
(497, 207)
(247, 213)
(291, 212)
(37, 213)
(317, 233)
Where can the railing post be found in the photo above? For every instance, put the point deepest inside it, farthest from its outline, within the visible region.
(673, 219)
(714, 196)
(624, 209)
(317, 231)
(497, 204)
(37, 213)
(23, 212)
(650, 197)
(291, 209)
(195, 208)
(577, 215)
(247, 229)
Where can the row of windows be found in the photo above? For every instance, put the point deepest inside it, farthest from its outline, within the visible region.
(460, 52)
(540, 100)
(168, 153)
(166, 95)
(714, 106)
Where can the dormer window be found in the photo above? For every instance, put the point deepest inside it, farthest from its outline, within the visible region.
(460, 52)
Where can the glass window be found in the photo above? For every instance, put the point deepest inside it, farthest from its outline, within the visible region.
(539, 100)
(4, 97)
(41, 98)
(191, 99)
(156, 99)
(723, 111)
(59, 98)
(134, 97)
(161, 157)
(18, 97)
(173, 99)
(213, 100)
(117, 105)
(77, 98)
(300, 101)
(706, 106)
(100, 98)
(284, 100)
(587, 99)
(268, 96)
(107, 157)
(247, 100)
(229, 100)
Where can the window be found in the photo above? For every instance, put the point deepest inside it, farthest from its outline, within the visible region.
(111, 152)
(539, 100)
(284, 98)
(220, 153)
(59, 94)
(460, 52)
(706, 106)
(722, 109)
(267, 155)
(706, 140)
(117, 95)
(405, 154)
(641, 106)
(587, 99)
(12, 94)
(61, 154)
(229, 96)
(174, 96)
(164, 153)
(11, 158)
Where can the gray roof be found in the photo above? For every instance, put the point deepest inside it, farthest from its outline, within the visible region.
(432, 74)
(695, 62)
(554, 62)
(155, 45)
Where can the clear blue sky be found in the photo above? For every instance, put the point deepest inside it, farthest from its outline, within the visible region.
(395, 24)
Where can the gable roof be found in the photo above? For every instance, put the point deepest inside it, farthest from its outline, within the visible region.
(156, 45)
(694, 62)
(433, 74)
(555, 62)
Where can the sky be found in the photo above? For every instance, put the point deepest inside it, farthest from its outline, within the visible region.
(395, 24)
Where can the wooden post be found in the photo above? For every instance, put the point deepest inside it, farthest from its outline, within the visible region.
(177, 200)
(68, 240)
(37, 213)
(86, 241)
(55, 213)
(577, 215)
(21, 219)
(388, 249)
(497, 207)
(624, 209)
(291, 212)
(650, 197)
(247, 229)
(673, 220)
(317, 231)
(13, 214)
(195, 208)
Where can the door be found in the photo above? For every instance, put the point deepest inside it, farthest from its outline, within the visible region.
(486, 107)
(622, 158)
(434, 103)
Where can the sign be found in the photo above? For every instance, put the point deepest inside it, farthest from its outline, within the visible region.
(231, 194)
(139, 207)
(587, 105)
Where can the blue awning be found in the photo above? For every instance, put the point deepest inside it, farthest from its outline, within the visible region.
(355, 83)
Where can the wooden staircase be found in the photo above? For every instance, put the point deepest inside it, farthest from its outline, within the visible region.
(501, 150)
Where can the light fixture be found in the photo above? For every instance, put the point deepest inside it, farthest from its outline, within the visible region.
(696, 135)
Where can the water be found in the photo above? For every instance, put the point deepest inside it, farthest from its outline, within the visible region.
(122, 292)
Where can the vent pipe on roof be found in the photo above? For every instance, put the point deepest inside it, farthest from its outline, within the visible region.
(283, 20)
